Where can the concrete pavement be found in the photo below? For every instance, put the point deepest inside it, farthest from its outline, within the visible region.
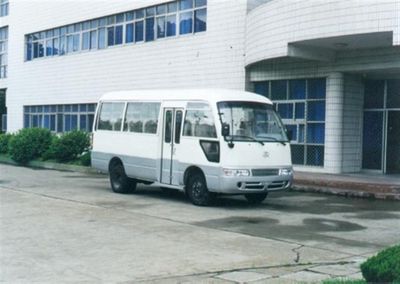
(62, 227)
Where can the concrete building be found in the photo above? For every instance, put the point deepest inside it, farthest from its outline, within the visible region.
(332, 68)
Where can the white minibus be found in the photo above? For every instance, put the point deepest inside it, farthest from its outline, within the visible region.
(203, 142)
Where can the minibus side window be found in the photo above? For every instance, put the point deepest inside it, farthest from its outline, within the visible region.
(142, 117)
(199, 121)
(168, 124)
(111, 116)
(178, 124)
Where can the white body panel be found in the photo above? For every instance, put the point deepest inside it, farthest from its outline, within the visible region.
(149, 157)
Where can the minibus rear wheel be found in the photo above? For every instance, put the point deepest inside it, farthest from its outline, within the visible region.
(197, 191)
(255, 198)
(120, 182)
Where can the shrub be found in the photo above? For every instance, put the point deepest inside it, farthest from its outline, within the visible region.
(4, 141)
(29, 143)
(384, 267)
(85, 159)
(69, 146)
(50, 153)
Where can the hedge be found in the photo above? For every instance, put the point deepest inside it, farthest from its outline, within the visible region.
(384, 267)
(68, 147)
(4, 141)
(28, 144)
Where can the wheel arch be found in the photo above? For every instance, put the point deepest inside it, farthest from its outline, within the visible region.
(190, 171)
(114, 161)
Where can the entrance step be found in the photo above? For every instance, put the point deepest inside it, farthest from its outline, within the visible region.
(354, 185)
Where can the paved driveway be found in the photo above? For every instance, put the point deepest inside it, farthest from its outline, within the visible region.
(62, 226)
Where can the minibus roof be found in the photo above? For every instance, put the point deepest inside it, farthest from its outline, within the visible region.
(210, 95)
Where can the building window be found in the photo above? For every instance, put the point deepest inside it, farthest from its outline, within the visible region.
(156, 22)
(3, 52)
(60, 118)
(3, 8)
(301, 105)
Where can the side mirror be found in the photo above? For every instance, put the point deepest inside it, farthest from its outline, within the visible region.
(225, 130)
(289, 134)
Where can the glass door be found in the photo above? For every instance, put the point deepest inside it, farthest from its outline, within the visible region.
(393, 143)
(373, 140)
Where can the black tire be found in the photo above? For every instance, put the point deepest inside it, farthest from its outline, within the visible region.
(256, 198)
(120, 182)
(197, 191)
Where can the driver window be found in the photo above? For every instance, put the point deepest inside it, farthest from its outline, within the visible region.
(199, 121)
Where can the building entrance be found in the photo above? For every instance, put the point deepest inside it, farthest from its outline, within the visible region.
(381, 129)
(393, 143)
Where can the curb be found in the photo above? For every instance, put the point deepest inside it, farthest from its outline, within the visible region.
(346, 192)
(50, 166)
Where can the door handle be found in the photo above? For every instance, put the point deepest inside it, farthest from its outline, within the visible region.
(173, 151)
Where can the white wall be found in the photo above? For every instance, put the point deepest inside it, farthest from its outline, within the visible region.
(214, 58)
(270, 27)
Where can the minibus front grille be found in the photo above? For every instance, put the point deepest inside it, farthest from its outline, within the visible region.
(264, 172)
(277, 185)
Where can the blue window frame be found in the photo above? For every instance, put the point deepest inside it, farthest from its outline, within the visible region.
(29, 51)
(185, 23)
(171, 25)
(139, 14)
(129, 32)
(46, 121)
(297, 89)
(55, 46)
(161, 9)
(49, 47)
(139, 26)
(316, 133)
(83, 122)
(316, 88)
(172, 7)
(300, 110)
(160, 27)
(35, 50)
(301, 104)
(85, 41)
(185, 4)
(146, 24)
(285, 110)
(150, 29)
(200, 23)
(93, 39)
(200, 3)
(279, 90)
(110, 36)
(102, 38)
(70, 43)
(316, 111)
(129, 16)
(76, 40)
(315, 155)
(118, 35)
(62, 45)
(261, 88)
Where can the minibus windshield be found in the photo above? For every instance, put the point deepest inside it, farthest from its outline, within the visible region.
(251, 121)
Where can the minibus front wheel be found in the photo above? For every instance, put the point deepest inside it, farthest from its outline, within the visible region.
(120, 182)
(197, 191)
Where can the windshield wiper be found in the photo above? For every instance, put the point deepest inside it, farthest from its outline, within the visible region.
(249, 137)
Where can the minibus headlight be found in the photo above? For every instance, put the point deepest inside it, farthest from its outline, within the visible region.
(285, 172)
(236, 173)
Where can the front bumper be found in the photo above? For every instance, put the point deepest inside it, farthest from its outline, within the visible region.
(254, 184)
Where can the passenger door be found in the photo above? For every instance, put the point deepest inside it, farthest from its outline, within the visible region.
(170, 145)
